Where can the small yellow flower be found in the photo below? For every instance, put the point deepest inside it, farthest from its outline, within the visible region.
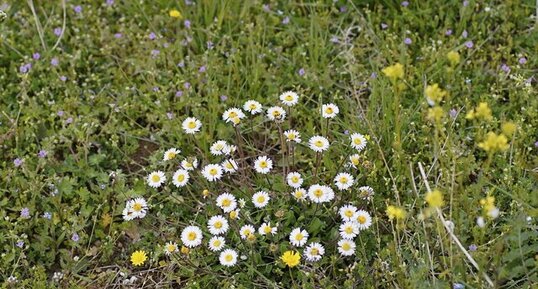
(394, 212)
(508, 128)
(488, 203)
(453, 57)
(434, 93)
(394, 71)
(175, 13)
(291, 258)
(435, 199)
(482, 111)
(138, 258)
(184, 250)
(494, 143)
(435, 114)
(205, 193)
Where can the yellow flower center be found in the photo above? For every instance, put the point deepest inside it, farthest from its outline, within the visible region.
(349, 230)
(180, 178)
(252, 106)
(171, 248)
(213, 171)
(260, 199)
(228, 258)
(192, 124)
(298, 194)
(247, 232)
(137, 207)
(218, 224)
(263, 164)
(343, 180)
(171, 155)
(361, 219)
(318, 143)
(357, 141)
(226, 202)
(318, 193)
(289, 97)
(295, 179)
(233, 214)
(349, 213)
(267, 230)
(346, 246)
(232, 114)
(155, 178)
(314, 251)
(329, 110)
(299, 237)
(216, 243)
(191, 236)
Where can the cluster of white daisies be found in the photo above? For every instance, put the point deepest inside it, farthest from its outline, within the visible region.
(218, 226)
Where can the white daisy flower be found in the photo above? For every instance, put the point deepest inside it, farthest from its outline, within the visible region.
(233, 115)
(299, 194)
(298, 237)
(216, 243)
(234, 214)
(289, 98)
(346, 247)
(228, 257)
(263, 164)
(180, 178)
(355, 160)
(127, 213)
(229, 149)
(349, 230)
(343, 181)
(292, 135)
(170, 154)
(294, 180)
(366, 193)
(347, 212)
(253, 107)
(266, 229)
(212, 172)
(363, 220)
(313, 252)
(229, 166)
(217, 148)
(242, 203)
(329, 110)
(217, 225)
(260, 199)
(191, 125)
(246, 231)
(318, 143)
(135, 208)
(358, 141)
(320, 194)
(156, 179)
(191, 236)
(170, 248)
(226, 202)
(189, 164)
(276, 113)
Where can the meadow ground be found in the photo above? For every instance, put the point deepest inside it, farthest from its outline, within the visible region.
(385, 144)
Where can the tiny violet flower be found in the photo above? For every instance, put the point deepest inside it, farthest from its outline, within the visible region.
(118, 35)
(522, 60)
(458, 286)
(223, 97)
(343, 9)
(346, 132)
(202, 69)
(25, 213)
(373, 75)
(77, 9)
(209, 45)
(301, 72)
(187, 23)
(75, 237)
(69, 120)
(181, 64)
(25, 68)
(453, 113)
(286, 20)
(266, 7)
(18, 162)
(155, 88)
(408, 41)
(47, 215)
(186, 85)
(155, 53)
(36, 56)
(152, 36)
(58, 31)
(20, 244)
(448, 32)
(54, 61)
(465, 3)
(464, 34)
(179, 93)
(536, 144)
(109, 2)
(334, 39)
(42, 153)
(384, 26)
(169, 115)
(405, 3)
(63, 78)
(469, 44)
(60, 113)
(473, 247)
(505, 68)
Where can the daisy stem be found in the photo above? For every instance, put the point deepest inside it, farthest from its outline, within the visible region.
(269, 181)
(341, 163)
(318, 161)
(292, 280)
(241, 153)
(284, 148)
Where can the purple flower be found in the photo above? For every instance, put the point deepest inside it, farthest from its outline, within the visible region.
(118, 35)
(453, 113)
(25, 213)
(54, 61)
(266, 7)
(223, 97)
(25, 68)
(448, 32)
(187, 23)
(181, 64)
(42, 153)
(69, 120)
(384, 26)
(505, 68)
(36, 56)
(469, 44)
(78, 9)
(169, 115)
(179, 93)
(63, 78)
(47, 215)
(18, 162)
(405, 3)
(155, 53)
(152, 36)
(473, 247)
(286, 20)
(58, 31)
(202, 69)
(373, 75)
(75, 237)
(346, 132)
(109, 2)
(522, 60)
(465, 3)
(20, 244)
(186, 85)
(60, 113)
(334, 39)
(166, 44)
(209, 45)
(464, 34)
(458, 286)
(536, 144)
(301, 72)
(155, 88)
(408, 41)
(188, 2)
(343, 9)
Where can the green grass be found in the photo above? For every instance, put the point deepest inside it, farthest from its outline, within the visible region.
(106, 127)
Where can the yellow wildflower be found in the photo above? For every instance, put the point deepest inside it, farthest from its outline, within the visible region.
(138, 258)
(394, 71)
(508, 128)
(291, 258)
(434, 93)
(488, 203)
(185, 250)
(394, 212)
(175, 13)
(494, 143)
(435, 199)
(435, 114)
(481, 111)
(453, 57)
